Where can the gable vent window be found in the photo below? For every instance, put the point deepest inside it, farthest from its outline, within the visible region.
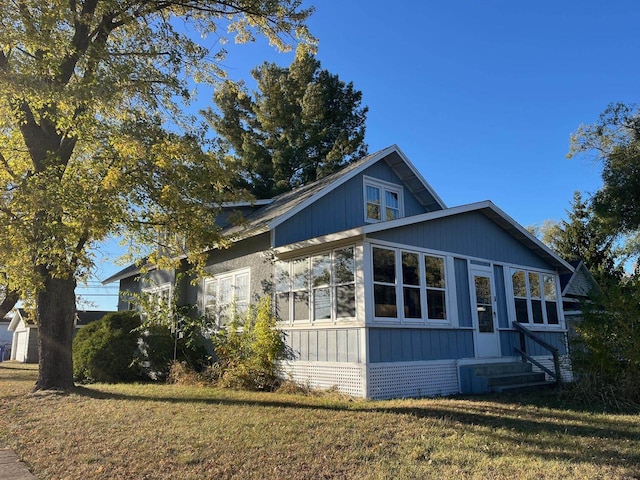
(383, 201)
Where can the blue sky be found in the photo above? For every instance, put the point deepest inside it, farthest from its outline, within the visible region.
(482, 96)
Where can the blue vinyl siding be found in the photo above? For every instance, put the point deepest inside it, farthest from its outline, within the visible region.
(326, 345)
(510, 339)
(341, 209)
(462, 293)
(471, 234)
(413, 344)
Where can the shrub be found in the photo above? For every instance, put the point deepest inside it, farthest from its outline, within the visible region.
(248, 352)
(605, 349)
(104, 350)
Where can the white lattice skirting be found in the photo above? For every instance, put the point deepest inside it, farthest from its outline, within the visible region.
(348, 378)
(565, 367)
(415, 379)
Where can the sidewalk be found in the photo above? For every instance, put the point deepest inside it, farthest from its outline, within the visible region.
(11, 468)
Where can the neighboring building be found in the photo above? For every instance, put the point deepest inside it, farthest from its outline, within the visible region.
(5, 338)
(24, 346)
(381, 290)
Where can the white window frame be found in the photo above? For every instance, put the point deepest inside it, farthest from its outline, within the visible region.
(400, 317)
(383, 187)
(156, 293)
(530, 316)
(311, 290)
(233, 304)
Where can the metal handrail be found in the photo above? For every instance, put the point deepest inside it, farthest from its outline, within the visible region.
(522, 351)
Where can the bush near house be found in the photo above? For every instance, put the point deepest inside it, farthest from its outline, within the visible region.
(104, 350)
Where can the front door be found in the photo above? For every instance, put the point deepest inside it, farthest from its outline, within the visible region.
(485, 313)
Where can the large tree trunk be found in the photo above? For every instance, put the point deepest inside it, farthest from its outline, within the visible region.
(55, 312)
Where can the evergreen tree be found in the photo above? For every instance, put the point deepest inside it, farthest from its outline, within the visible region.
(301, 124)
(587, 237)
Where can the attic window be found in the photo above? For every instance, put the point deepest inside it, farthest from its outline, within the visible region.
(383, 201)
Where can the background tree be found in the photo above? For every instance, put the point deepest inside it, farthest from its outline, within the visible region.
(585, 236)
(301, 124)
(615, 139)
(93, 141)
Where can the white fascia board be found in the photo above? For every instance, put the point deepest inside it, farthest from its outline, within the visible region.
(332, 186)
(420, 177)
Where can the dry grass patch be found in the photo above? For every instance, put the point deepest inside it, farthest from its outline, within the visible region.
(187, 432)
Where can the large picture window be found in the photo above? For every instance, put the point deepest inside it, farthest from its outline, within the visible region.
(383, 201)
(408, 285)
(535, 297)
(226, 295)
(319, 288)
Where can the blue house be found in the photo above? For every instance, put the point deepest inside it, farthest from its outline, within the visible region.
(382, 290)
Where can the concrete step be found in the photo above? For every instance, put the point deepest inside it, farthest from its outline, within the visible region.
(515, 378)
(524, 387)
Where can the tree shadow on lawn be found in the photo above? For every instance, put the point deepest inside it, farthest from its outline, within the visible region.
(548, 433)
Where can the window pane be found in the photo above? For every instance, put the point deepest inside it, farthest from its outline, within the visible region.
(301, 274)
(519, 284)
(373, 211)
(549, 287)
(485, 319)
(483, 290)
(320, 270)
(436, 305)
(410, 269)
(282, 277)
(344, 265)
(282, 306)
(392, 214)
(346, 301)
(385, 301)
(552, 313)
(412, 303)
(322, 303)
(522, 316)
(242, 288)
(300, 306)
(534, 285)
(536, 307)
(434, 271)
(225, 293)
(373, 194)
(384, 265)
(391, 199)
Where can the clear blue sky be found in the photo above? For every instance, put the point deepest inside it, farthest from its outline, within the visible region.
(482, 96)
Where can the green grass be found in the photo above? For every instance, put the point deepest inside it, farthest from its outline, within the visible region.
(180, 432)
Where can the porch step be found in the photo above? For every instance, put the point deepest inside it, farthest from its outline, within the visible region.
(524, 387)
(501, 377)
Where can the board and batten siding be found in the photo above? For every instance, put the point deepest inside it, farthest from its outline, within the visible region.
(511, 338)
(470, 234)
(341, 209)
(501, 296)
(419, 344)
(463, 294)
(325, 345)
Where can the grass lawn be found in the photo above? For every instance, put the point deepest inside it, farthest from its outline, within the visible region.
(177, 432)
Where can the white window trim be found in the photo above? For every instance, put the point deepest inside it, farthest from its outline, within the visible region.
(511, 306)
(233, 274)
(156, 290)
(400, 319)
(383, 186)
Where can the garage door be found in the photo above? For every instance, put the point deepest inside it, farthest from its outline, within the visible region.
(21, 346)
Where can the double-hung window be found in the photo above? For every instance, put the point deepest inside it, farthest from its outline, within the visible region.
(383, 201)
(535, 297)
(408, 285)
(320, 287)
(226, 296)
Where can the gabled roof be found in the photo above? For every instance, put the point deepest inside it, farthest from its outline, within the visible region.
(287, 204)
(20, 314)
(580, 283)
(488, 208)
